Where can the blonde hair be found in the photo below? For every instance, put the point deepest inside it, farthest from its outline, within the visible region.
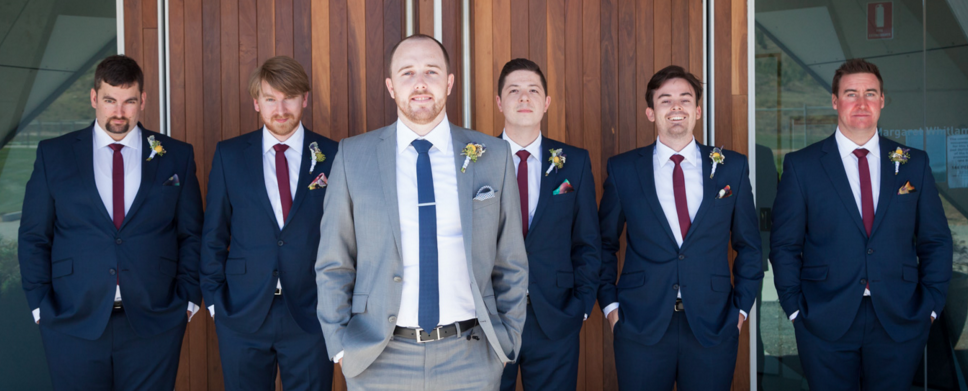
(283, 74)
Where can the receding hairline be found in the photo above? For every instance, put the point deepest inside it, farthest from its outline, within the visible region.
(417, 38)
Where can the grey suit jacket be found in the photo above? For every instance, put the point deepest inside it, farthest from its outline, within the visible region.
(360, 250)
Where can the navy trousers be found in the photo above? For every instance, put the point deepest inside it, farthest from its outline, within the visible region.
(865, 358)
(118, 360)
(677, 358)
(546, 364)
(249, 360)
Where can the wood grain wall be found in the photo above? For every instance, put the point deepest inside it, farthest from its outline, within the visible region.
(598, 56)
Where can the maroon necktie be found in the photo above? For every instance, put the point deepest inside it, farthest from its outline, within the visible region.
(117, 185)
(866, 194)
(679, 189)
(523, 188)
(282, 176)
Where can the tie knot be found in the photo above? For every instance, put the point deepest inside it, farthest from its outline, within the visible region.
(422, 146)
(523, 154)
(677, 159)
(280, 147)
(116, 147)
(861, 153)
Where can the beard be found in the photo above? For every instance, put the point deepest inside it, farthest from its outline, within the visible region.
(281, 129)
(421, 115)
(117, 129)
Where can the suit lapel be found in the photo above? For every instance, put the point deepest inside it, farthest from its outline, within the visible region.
(302, 185)
(465, 192)
(709, 190)
(647, 181)
(252, 155)
(888, 184)
(387, 160)
(833, 164)
(84, 156)
(548, 184)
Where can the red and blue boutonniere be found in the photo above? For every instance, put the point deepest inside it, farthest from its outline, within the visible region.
(557, 160)
(156, 148)
(899, 157)
(718, 158)
(319, 182)
(472, 151)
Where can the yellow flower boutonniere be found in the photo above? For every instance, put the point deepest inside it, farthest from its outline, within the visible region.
(318, 156)
(899, 157)
(472, 151)
(156, 148)
(718, 158)
(557, 160)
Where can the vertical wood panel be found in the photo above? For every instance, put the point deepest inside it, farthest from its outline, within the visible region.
(644, 69)
(374, 65)
(393, 31)
(248, 61)
(519, 29)
(230, 68)
(591, 140)
(483, 52)
(680, 33)
(696, 59)
(723, 61)
(662, 34)
(356, 67)
(133, 33)
(149, 14)
(424, 13)
(538, 41)
(555, 71)
(322, 77)
(266, 20)
(451, 29)
(573, 73)
(284, 32)
(339, 120)
(303, 47)
(149, 66)
(501, 55)
(625, 21)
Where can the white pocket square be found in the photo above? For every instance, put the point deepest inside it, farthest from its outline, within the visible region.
(484, 193)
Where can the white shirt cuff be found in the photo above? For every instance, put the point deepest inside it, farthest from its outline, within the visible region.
(36, 313)
(193, 308)
(745, 315)
(609, 308)
(794, 315)
(585, 318)
(338, 356)
(934, 315)
(211, 310)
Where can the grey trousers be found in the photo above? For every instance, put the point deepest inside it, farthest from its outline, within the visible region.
(457, 363)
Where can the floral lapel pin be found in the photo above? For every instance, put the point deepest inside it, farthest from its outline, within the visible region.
(318, 157)
(724, 193)
(718, 158)
(472, 151)
(156, 148)
(557, 160)
(319, 182)
(899, 157)
(906, 189)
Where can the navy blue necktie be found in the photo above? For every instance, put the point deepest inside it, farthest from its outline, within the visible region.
(429, 306)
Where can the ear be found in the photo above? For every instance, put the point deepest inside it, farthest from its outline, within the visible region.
(698, 112)
(883, 100)
(255, 103)
(144, 97)
(390, 88)
(93, 98)
(497, 98)
(833, 101)
(547, 103)
(650, 114)
(306, 99)
(450, 83)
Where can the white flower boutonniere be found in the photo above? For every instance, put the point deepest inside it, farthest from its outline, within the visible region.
(900, 156)
(318, 156)
(156, 148)
(472, 151)
(718, 158)
(557, 160)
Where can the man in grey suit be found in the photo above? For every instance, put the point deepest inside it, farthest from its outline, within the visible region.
(422, 272)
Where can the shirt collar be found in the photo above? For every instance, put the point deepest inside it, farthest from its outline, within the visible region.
(295, 142)
(846, 147)
(439, 136)
(689, 153)
(131, 140)
(534, 148)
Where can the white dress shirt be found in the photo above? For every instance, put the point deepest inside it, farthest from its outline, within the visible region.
(454, 284)
(663, 167)
(104, 178)
(534, 170)
(294, 158)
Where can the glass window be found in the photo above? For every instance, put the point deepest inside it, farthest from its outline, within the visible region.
(798, 46)
(48, 51)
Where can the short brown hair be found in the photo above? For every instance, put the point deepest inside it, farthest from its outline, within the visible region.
(119, 71)
(283, 74)
(852, 66)
(520, 64)
(668, 73)
(389, 59)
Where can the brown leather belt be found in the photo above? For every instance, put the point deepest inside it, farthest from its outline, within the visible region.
(437, 334)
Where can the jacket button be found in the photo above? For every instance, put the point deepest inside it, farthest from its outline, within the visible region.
(280, 243)
(118, 241)
(392, 319)
(863, 281)
(675, 286)
(681, 257)
(397, 279)
(275, 272)
(870, 251)
(112, 272)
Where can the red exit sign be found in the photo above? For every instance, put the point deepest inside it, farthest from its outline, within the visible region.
(880, 20)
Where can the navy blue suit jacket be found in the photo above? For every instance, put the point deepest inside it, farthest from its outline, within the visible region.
(656, 267)
(72, 256)
(243, 250)
(822, 258)
(563, 243)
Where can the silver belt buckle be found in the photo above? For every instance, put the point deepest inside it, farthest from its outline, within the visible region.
(278, 292)
(436, 330)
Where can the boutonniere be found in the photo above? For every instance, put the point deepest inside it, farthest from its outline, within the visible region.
(899, 157)
(718, 158)
(319, 182)
(557, 160)
(318, 156)
(472, 151)
(724, 193)
(156, 148)
(906, 189)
